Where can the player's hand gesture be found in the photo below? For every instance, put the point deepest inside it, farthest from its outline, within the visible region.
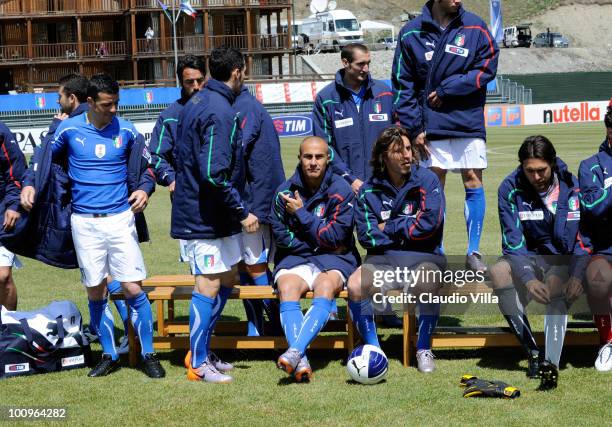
(293, 204)
(138, 200)
(356, 185)
(434, 100)
(539, 291)
(250, 224)
(10, 219)
(27, 197)
(61, 116)
(421, 143)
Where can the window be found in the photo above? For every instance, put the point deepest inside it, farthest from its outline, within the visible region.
(347, 25)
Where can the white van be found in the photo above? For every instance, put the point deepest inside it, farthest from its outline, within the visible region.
(332, 30)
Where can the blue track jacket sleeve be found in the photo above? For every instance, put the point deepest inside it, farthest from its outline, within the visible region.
(405, 100)
(282, 225)
(366, 221)
(162, 145)
(331, 231)
(218, 139)
(513, 240)
(595, 198)
(480, 73)
(429, 218)
(147, 176)
(13, 167)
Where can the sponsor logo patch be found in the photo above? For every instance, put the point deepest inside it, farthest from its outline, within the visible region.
(379, 117)
(573, 216)
(531, 215)
(72, 361)
(385, 215)
(456, 50)
(608, 182)
(429, 55)
(16, 368)
(100, 150)
(343, 123)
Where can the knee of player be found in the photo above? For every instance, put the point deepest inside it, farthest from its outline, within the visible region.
(599, 278)
(354, 286)
(5, 277)
(501, 274)
(288, 290)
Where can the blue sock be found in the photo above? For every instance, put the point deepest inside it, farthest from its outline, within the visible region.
(253, 309)
(474, 211)
(114, 287)
(428, 319)
(142, 319)
(291, 318)
(102, 320)
(200, 314)
(217, 309)
(314, 320)
(363, 317)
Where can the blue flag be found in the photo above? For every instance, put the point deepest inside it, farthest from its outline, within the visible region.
(497, 26)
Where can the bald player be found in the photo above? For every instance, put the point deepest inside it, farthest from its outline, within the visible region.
(312, 216)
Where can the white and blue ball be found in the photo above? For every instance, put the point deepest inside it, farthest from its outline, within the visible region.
(367, 364)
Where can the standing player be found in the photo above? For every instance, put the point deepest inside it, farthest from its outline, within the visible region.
(264, 173)
(349, 114)
(399, 217)
(595, 175)
(539, 213)
(208, 210)
(12, 167)
(443, 62)
(312, 221)
(110, 184)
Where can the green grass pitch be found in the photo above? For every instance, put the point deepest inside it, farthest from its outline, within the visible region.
(263, 395)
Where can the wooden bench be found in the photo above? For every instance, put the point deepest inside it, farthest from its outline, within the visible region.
(164, 291)
(482, 337)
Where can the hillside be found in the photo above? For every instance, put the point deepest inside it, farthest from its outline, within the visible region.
(390, 10)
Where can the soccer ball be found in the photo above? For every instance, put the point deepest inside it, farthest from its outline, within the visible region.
(367, 364)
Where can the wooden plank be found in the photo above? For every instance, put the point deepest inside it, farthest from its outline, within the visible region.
(240, 327)
(507, 340)
(249, 343)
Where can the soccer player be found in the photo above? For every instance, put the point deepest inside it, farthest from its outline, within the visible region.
(264, 173)
(207, 209)
(399, 215)
(312, 221)
(110, 185)
(349, 114)
(539, 213)
(443, 62)
(12, 167)
(595, 176)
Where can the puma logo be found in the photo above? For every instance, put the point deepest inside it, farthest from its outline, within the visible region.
(340, 113)
(387, 203)
(432, 44)
(80, 140)
(529, 205)
(356, 367)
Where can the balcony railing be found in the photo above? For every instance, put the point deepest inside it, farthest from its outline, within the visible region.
(199, 4)
(13, 53)
(196, 43)
(59, 7)
(104, 49)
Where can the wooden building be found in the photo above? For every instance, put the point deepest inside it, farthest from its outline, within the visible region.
(41, 40)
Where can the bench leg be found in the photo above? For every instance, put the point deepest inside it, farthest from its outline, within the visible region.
(161, 319)
(409, 332)
(350, 331)
(134, 346)
(171, 310)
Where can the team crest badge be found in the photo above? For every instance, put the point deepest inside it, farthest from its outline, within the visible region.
(377, 108)
(460, 40)
(574, 205)
(319, 210)
(407, 209)
(100, 150)
(117, 141)
(209, 260)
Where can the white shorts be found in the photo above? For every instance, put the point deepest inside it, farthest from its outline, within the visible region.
(8, 259)
(257, 247)
(214, 256)
(308, 272)
(107, 245)
(183, 254)
(457, 153)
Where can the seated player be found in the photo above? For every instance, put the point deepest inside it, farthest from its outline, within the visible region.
(539, 214)
(596, 225)
(399, 217)
(312, 216)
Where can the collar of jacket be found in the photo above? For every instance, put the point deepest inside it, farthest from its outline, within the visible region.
(412, 181)
(298, 180)
(184, 97)
(605, 147)
(428, 17)
(222, 89)
(340, 82)
(82, 108)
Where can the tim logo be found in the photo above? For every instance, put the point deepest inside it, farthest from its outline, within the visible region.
(514, 116)
(16, 368)
(494, 116)
(287, 126)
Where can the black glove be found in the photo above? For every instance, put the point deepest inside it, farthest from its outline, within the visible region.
(475, 387)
